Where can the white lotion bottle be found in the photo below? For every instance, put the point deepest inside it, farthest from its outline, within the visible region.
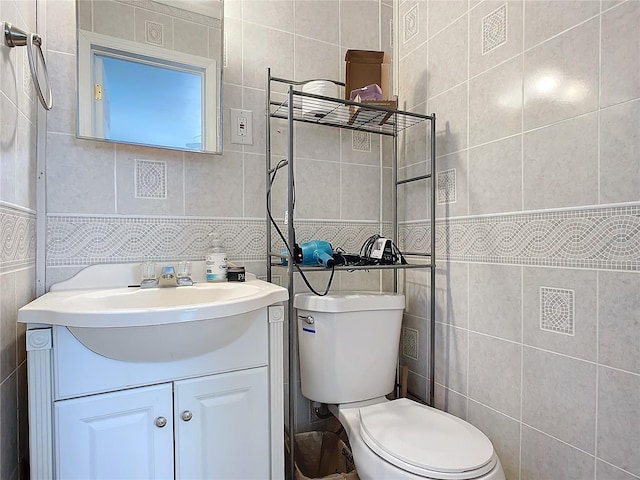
(216, 262)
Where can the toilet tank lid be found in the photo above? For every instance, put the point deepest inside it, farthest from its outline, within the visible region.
(349, 302)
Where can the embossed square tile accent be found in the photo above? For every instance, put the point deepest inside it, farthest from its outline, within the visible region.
(154, 33)
(446, 186)
(494, 29)
(361, 141)
(410, 23)
(410, 342)
(151, 179)
(557, 310)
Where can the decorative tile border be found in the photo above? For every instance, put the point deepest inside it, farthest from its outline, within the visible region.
(602, 238)
(80, 240)
(18, 233)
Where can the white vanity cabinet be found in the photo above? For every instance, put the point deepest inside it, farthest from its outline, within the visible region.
(116, 435)
(220, 424)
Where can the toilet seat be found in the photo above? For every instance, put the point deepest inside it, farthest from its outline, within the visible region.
(426, 441)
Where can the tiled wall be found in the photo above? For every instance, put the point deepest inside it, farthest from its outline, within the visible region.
(538, 226)
(94, 214)
(18, 111)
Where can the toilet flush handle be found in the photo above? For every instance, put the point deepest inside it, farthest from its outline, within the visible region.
(307, 319)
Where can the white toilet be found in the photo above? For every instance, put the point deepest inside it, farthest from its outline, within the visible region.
(348, 352)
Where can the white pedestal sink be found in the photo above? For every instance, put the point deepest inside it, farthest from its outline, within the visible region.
(102, 352)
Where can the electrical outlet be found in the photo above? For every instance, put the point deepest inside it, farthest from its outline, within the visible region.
(241, 126)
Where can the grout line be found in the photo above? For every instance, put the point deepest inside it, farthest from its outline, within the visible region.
(521, 369)
(595, 441)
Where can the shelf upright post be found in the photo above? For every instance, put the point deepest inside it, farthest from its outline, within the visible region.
(268, 167)
(290, 270)
(394, 194)
(432, 310)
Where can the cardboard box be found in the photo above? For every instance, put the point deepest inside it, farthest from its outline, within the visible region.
(366, 67)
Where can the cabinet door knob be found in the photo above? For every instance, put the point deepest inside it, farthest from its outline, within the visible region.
(161, 422)
(186, 415)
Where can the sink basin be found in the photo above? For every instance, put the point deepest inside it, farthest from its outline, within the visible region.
(154, 324)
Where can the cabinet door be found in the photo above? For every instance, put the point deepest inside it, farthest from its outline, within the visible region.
(222, 426)
(116, 435)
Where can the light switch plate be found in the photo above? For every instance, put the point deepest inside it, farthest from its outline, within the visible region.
(241, 126)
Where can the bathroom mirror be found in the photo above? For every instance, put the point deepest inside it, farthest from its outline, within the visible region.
(149, 72)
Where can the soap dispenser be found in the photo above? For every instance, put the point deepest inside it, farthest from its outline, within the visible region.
(216, 263)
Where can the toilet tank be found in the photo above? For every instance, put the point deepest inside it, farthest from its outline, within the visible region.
(349, 352)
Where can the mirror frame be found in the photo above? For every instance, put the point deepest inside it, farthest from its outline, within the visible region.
(88, 43)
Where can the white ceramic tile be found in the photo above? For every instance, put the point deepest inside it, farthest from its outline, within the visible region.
(482, 19)
(213, 184)
(560, 460)
(264, 47)
(504, 433)
(495, 176)
(412, 26)
(495, 300)
(8, 319)
(451, 181)
(360, 192)
(80, 175)
(274, 13)
(604, 471)
(412, 90)
(495, 103)
(61, 27)
(451, 119)
(618, 413)
(413, 202)
(582, 343)
(25, 167)
(233, 48)
(452, 293)
(545, 18)
(155, 29)
(359, 24)
(324, 63)
(450, 401)
(559, 397)
(495, 373)
(317, 189)
(620, 153)
(114, 19)
(191, 38)
(447, 62)
(442, 13)
(451, 358)
(619, 320)
(560, 166)
(561, 76)
(62, 74)
(318, 20)
(348, 154)
(620, 79)
(165, 166)
(318, 143)
(254, 185)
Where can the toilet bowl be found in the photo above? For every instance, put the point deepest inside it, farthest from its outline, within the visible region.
(348, 346)
(402, 439)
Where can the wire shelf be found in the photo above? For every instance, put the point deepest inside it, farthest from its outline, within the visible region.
(376, 117)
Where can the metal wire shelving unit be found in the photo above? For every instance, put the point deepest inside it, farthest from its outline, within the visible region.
(373, 117)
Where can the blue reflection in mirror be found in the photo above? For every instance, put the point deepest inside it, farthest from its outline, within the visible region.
(148, 103)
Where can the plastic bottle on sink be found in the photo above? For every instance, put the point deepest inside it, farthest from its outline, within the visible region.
(216, 262)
